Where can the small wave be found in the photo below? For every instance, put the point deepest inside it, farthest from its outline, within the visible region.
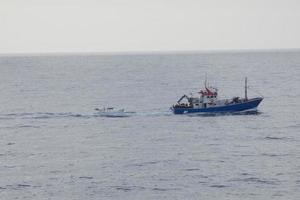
(247, 155)
(150, 163)
(278, 195)
(85, 177)
(160, 189)
(274, 155)
(202, 176)
(28, 126)
(219, 186)
(143, 164)
(294, 126)
(192, 169)
(6, 118)
(128, 188)
(245, 174)
(23, 185)
(17, 114)
(19, 126)
(275, 138)
(164, 189)
(10, 166)
(256, 180)
(55, 171)
(125, 189)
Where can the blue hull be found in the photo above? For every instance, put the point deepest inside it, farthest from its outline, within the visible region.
(237, 107)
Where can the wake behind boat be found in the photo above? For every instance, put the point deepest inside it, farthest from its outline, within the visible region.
(111, 112)
(208, 102)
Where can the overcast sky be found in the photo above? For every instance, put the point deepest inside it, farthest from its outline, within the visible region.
(147, 25)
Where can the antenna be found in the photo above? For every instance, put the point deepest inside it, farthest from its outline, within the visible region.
(205, 83)
(246, 98)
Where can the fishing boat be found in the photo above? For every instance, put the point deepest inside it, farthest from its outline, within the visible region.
(208, 102)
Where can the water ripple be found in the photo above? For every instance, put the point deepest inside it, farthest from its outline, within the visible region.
(256, 180)
(85, 177)
(128, 188)
(274, 155)
(275, 138)
(23, 185)
(219, 186)
(164, 189)
(192, 169)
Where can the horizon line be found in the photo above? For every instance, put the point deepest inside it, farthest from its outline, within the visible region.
(148, 52)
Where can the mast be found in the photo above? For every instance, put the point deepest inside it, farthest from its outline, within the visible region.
(246, 98)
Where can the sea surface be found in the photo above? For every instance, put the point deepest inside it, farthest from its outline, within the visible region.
(53, 145)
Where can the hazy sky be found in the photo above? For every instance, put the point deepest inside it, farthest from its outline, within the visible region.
(147, 25)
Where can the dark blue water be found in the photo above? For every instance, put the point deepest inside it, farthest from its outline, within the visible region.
(54, 146)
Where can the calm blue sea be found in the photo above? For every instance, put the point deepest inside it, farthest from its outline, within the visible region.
(54, 146)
